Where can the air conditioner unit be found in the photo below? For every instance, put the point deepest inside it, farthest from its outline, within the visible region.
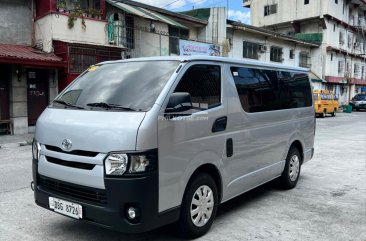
(262, 48)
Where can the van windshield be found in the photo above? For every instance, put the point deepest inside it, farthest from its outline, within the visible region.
(118, 86)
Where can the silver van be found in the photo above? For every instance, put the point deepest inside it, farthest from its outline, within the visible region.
(135, 144)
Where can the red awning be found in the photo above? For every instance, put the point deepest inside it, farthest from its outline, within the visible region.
(30, 57)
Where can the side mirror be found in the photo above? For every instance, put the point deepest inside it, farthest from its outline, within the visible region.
(179, 104)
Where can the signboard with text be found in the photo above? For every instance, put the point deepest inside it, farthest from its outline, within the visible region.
(188, 48)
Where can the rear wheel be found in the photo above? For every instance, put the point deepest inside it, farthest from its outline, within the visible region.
(324, 113)
(199, 207)
(334, 112)
(291, 173)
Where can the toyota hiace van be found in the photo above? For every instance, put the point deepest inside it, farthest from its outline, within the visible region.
(135, 144)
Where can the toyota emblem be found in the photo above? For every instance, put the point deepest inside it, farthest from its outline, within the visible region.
(66, 144)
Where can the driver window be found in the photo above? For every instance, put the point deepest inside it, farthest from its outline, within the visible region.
(203, 83)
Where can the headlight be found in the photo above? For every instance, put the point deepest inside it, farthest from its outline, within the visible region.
(117, 164)
(36, 149)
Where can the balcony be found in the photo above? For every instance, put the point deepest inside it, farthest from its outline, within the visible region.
(357, 22)
(246, 3)
(56, 26)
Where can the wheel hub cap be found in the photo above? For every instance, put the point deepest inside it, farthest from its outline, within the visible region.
(202, 206)
(294, 168)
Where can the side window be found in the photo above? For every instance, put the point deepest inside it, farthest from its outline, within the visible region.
(265, 90)
(299, 90)
(254, 89)
(203, 83)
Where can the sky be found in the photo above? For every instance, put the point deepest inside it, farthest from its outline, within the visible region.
(236, 10)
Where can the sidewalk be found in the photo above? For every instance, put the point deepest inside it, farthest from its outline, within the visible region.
(7, 141)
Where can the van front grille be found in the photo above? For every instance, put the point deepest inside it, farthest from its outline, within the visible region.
(74, 152)
(79, 165)
(81, 193)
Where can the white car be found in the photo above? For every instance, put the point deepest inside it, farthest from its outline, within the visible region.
(358, 102)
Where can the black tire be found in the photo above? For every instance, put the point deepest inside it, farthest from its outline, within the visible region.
(324, 114)
(286, 181)
(357, 109)
(185, 226)
(334, 112)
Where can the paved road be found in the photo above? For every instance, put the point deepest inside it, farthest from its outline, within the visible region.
(329, 202)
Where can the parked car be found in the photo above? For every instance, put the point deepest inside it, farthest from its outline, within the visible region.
(135, 144)
(325, 102)
(358, 102)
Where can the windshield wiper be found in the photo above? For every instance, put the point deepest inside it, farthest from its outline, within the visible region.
(110, 106)
(67, 104)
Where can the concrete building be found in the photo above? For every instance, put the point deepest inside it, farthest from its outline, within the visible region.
(85, 32)
(246, 41)
(338, 25)
(28, 75)
(146, 30)
(61, 38)
(76, 32)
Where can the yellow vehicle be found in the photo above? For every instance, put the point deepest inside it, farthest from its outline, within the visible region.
(325, 102)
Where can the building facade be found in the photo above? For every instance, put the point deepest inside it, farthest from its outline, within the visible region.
(246, 41)
(76, 32)
(61, 38)
(146, 30)
(86, 32)
(338, 25)
(28, 75)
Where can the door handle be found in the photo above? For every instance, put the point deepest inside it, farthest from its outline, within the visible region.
(219, 124)
(229, 147)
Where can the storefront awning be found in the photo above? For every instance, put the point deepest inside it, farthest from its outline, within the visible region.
(315, 78)
(28, 56)
(145, 13)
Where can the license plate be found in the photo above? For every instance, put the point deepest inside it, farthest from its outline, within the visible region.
(67, 208)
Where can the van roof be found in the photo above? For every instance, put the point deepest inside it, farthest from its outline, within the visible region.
(212, 58)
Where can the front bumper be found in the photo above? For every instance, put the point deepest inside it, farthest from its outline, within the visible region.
(357, 105)
(108, 208)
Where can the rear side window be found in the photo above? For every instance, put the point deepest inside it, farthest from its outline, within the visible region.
(265, 90)
(203, 83)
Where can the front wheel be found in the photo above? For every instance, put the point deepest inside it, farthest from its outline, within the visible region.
(199, 207)
(291, 173)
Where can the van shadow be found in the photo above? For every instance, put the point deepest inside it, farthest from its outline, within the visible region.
(84, 231)
(243, 200)
(76, 230)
